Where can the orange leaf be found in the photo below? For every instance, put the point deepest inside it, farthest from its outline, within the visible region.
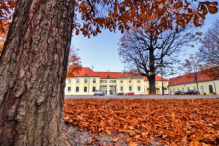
(214, 3)
(195, 143)
(205, 11)
(133, 144)
(108, 132)
(117, 139)
(196, 22)
(212, 9)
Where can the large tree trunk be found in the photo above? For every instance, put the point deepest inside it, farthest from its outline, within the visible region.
(152, 85)
(151, 76)
(32, 73)
(196, 81)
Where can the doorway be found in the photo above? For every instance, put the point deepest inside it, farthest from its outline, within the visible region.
(210, 89)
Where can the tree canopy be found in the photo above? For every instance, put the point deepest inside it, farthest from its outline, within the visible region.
(93, 15)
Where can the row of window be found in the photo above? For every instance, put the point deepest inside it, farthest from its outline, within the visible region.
(77, 89)
(188, 88)
(85, 80)
(130, 88)
(94, 88)
(102, 81)
(130, 81)
(110, 81)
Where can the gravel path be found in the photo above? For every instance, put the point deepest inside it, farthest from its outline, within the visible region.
(145, 97)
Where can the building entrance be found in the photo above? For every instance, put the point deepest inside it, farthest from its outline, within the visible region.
(210, 89)
(110, 91)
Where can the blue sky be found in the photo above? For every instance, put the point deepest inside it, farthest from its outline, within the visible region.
(101, 51)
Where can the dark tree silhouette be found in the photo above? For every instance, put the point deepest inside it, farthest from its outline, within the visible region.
(144, 51)
(209, 51)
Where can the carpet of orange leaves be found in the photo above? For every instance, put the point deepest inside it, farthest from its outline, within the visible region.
(167, 121)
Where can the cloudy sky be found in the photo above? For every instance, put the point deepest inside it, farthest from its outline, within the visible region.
(101, 51)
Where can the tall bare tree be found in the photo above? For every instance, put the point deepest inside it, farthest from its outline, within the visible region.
(209, 51)
(192, 67)
(147, 49)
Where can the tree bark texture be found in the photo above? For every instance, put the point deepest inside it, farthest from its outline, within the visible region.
(32, 73)
(152, 85)
(151, 77)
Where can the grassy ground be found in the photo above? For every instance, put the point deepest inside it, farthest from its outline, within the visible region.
(143, 121)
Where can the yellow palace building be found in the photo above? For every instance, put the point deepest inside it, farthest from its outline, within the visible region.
(87, 81)
(206, 85)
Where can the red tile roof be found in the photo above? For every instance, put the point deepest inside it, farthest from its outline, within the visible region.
(127, 75)
(86, 70)
(112, 75)
(188, 79)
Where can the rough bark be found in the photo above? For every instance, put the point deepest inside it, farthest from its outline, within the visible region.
(32, 73)
(196, 81)
(151, 77)
(152, 85)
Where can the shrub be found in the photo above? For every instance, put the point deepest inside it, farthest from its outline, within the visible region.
(204, 93)
(214, 93)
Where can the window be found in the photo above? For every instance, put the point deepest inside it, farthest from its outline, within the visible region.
(138, 81)
(77, 81)
(85, 80)
(202, 89)
(103, 81)
(77, 89)
(194, 88)
(182, 88)
(69, 88)
(121, 88)
(112, 81)
(85, 89)
(94, 88)
(156, 83)
(139, 88)
(121, 81)
(177, 89)
(69, 80)
(130, 88)
(188, 89)
(94, 80)
(173, 89)
(130, 81)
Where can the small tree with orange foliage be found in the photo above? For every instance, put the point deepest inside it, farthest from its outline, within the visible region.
(74, 63)
(7, 7)
(3, 35)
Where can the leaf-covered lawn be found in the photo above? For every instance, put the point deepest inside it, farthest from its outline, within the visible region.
(167, 121)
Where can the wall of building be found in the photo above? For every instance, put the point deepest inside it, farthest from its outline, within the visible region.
(82, 85)
(77, 85)
(202, 86)
(130, 85)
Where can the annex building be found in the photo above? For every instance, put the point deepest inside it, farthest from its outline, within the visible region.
(206, 85)
(87, 81)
